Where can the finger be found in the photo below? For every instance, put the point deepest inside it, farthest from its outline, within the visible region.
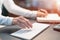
(41, 10)
(21, 25)
(23, 22)
(44, 11)
(42, 14)
(27, 22)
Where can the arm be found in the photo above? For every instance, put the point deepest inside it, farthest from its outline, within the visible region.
(13, 8)
(20, 21)
(5, 20)
(16, 21)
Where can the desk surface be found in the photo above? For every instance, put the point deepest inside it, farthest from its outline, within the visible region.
(48, 34)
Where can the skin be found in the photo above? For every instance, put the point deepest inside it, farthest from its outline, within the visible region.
(25, 23)
(22, 22)
(42, 13)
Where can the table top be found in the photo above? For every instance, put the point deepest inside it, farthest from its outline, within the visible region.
(48, 34)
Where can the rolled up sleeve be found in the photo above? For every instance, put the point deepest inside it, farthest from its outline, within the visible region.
(6, 20)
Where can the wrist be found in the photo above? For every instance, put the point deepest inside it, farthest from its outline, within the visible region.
(14, 21)
(38, 14)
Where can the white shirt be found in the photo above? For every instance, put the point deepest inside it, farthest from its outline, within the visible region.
(4, 20)
(1, 1)
(13, 8)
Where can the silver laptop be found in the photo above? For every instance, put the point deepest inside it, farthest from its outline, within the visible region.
(31, 33)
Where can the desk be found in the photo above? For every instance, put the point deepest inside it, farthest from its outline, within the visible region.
(48, 34)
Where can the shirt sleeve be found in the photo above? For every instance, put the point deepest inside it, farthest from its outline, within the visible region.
(0, 11)
(5, 20)
(13, 8)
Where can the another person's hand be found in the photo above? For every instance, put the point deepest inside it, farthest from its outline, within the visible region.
(22, 22)
(42, 13)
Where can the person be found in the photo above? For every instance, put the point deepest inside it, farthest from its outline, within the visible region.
(15, 9)
(20, 21)
(14, 21)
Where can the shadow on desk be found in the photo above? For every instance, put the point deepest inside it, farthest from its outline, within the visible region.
(9, 29)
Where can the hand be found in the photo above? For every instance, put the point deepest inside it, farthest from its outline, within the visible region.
(42, 13)
(22, 22)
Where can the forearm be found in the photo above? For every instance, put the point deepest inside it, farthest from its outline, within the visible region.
(12, 8)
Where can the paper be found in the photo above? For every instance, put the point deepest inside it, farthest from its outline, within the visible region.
(29, 34)
(49, 18)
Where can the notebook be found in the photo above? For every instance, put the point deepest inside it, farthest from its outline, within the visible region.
(31, 33)
(49, 18)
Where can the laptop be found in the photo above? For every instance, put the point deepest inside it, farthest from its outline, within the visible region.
(31, 33)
